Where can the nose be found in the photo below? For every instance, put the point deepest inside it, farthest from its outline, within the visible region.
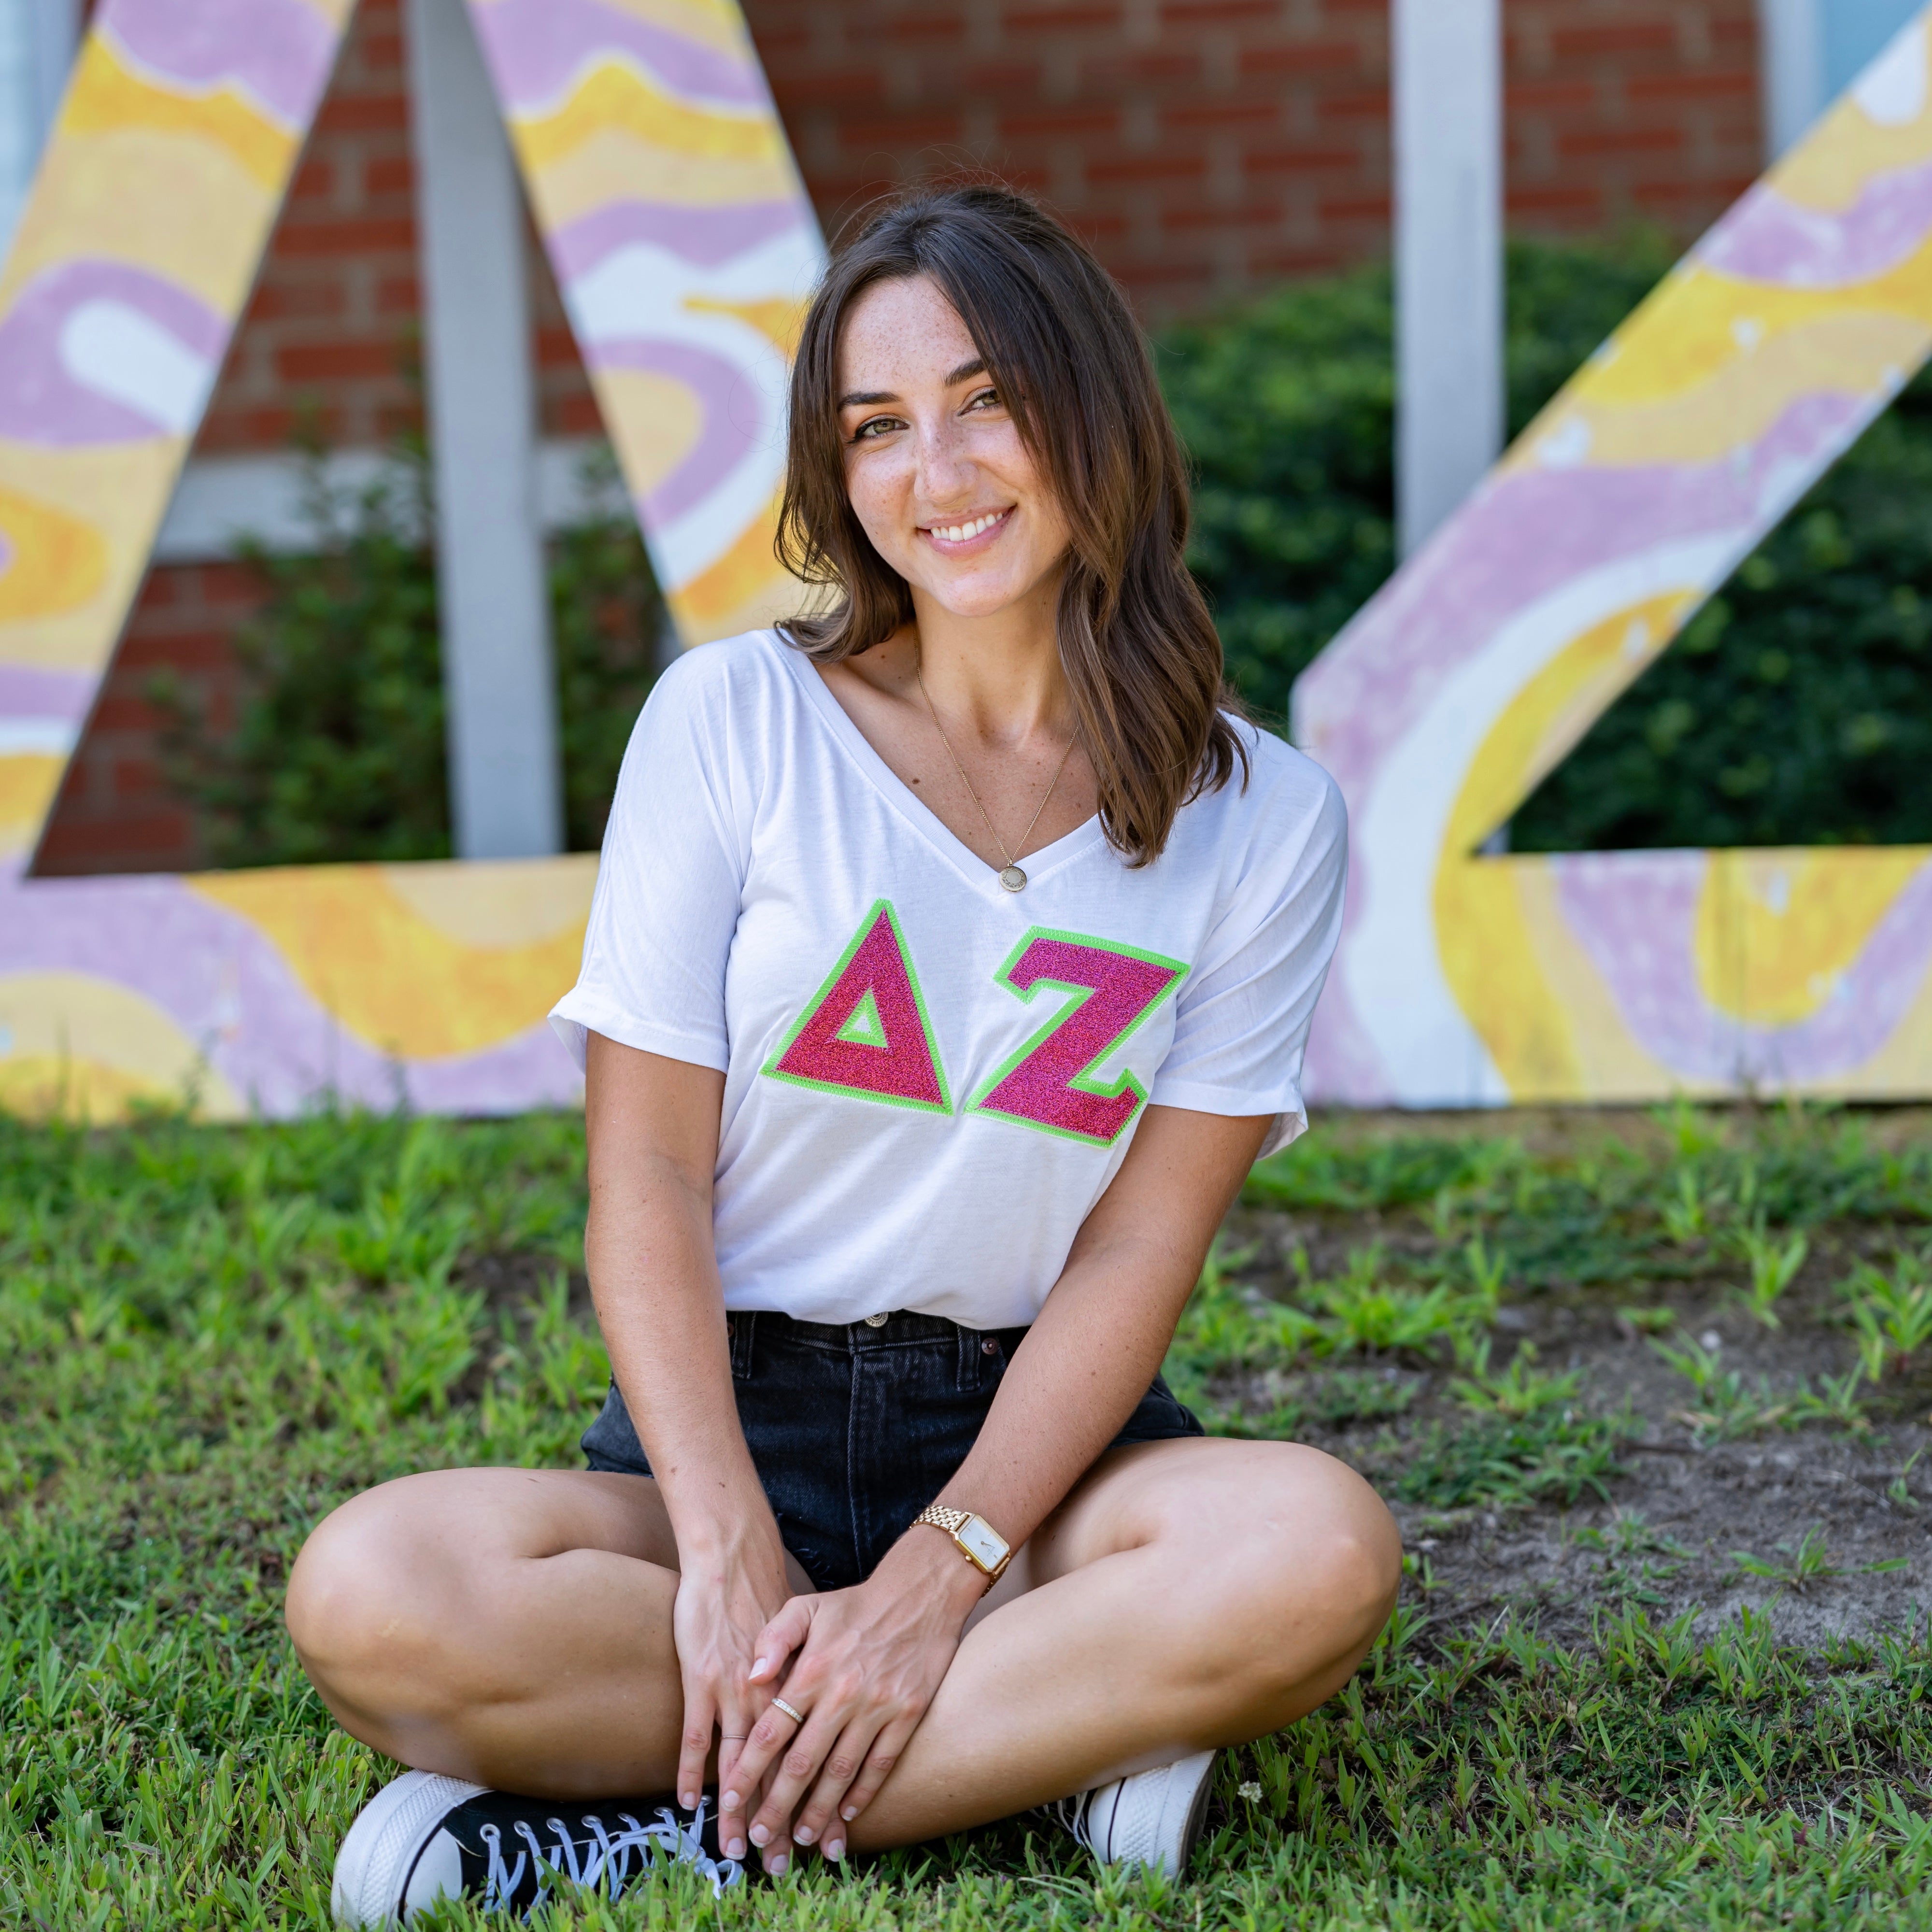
(945, 474)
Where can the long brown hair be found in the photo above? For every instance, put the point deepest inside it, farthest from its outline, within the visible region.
(1137, 645)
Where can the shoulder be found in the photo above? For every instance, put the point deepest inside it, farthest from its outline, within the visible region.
(725, 672)
(1287, 799)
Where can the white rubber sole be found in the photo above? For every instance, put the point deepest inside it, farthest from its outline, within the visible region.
(1183, 1810)
(383, 1873)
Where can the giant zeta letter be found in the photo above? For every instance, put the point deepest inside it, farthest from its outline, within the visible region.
(1467, 979)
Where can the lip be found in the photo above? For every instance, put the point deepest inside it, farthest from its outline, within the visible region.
(971, 546)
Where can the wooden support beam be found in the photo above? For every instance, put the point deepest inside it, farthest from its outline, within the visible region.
(505, 796)
(1449, 263)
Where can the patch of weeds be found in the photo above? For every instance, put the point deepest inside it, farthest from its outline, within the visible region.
(1518, 1391)
(1636, 1557)
(1726, 1408)
(1357, 1395)
(1486, 1271)
(1694, 1131)
(1798, 1566)
(1647, 1321)
(1773, 1266)
(1554, 1456)
(1367, 1313)
(1835, 1402)
(1898, 1491)
(1320, 1171)
(1891, 1312)
(1332, 1397)
(189, 1381)
(1688, 1219)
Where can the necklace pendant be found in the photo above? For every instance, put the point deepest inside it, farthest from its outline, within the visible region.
(1013, 879)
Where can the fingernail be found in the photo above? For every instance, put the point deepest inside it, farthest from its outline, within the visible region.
(834, 1848)
(760, 1836)
(759, 1668)
(688, 1799)
(802, 1835)
(728, 1802)
(735, 1848)
(777, 1865)
(851, 1812)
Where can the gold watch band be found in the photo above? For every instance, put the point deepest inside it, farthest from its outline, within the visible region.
(942, 1516)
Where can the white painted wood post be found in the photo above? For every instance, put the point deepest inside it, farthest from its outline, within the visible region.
(1448, 57)
(37, 39)
(1791, 70)
(505, 794)
(56, 39)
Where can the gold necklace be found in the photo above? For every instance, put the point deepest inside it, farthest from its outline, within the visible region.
(1011, 877)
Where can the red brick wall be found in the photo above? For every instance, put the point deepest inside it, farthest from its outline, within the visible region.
(116, 813)
(1206, 147)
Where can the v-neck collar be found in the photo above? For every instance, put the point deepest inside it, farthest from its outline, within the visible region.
(920, 816)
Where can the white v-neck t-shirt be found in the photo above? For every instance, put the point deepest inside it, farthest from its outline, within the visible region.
(930, 1081)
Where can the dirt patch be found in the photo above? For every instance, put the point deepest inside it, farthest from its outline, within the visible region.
(1690, 1508)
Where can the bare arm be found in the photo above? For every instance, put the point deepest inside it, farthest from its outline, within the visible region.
(869, 1659)
(651, 1125)
(1100, 1339)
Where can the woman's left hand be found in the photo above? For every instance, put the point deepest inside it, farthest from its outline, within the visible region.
(867, 1662)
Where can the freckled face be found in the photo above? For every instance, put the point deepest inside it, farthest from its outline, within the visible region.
(938, 476)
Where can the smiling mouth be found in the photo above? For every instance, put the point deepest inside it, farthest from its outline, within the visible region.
(969, 530)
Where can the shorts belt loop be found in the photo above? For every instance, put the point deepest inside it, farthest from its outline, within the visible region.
(743, 1325)
(969, 1358)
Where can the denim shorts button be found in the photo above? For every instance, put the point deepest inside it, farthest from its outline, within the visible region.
(877, 1321)
(989, 1347)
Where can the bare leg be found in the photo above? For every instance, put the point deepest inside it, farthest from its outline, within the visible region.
(510, 1626)
(514, 1626)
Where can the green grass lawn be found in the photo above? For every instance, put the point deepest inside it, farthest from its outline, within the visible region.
(208, 1336)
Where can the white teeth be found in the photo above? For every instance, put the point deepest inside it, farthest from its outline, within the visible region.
(960, 533)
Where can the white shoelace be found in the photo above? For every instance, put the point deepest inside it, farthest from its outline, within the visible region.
(1072, 1812)
(608, 1862)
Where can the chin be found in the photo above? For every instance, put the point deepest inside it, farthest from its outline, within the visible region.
(976, 600)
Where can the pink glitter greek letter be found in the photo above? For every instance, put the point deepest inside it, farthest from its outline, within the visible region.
(1047, 1084)
(866, 1032)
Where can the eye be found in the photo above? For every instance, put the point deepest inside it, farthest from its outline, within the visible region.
(983, 399)
(873, 428)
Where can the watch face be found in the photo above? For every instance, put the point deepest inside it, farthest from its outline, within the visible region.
(983, 1542)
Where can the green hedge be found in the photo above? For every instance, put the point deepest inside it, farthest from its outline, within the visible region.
(339, 753)
(1793, 712)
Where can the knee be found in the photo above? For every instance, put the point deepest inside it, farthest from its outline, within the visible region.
(1314, 1578)
(364, 1601)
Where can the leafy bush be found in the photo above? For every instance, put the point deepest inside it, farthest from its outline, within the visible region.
(339, 753)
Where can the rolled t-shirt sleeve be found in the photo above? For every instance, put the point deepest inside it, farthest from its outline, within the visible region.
(669, 881)
(1241, 1029)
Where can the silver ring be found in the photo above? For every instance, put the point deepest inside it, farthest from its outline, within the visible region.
(797, 1717)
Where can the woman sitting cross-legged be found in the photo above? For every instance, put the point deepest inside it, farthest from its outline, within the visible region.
(952, 956)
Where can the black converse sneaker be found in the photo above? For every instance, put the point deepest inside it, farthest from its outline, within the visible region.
(1153, 1818)
(427, 1837)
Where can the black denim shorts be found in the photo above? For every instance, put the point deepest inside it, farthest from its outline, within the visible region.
(854, 1430)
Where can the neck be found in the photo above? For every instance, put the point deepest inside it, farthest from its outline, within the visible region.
(998, 676)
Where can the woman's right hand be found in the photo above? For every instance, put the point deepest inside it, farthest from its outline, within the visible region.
(726, 1596)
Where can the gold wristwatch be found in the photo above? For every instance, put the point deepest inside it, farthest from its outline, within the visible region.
(982, 1545)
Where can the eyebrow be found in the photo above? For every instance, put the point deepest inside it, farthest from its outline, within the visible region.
(866, 399)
